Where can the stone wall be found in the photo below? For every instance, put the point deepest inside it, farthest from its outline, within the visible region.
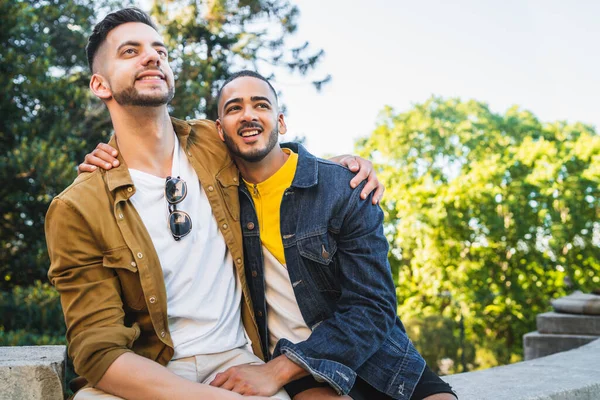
(37, 372)
(571, 375)
(32, 372)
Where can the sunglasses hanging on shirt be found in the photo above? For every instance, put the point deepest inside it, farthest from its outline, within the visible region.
(180, 222)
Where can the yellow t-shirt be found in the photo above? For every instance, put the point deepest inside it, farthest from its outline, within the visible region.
(267, 197)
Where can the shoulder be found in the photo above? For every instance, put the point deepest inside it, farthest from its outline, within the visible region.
(84, 192)
(204, 134)
(334, 174)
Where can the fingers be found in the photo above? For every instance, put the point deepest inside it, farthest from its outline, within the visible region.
(83, 167)
(378, 193)
(105, 153)
(220, 379)
(363, 173)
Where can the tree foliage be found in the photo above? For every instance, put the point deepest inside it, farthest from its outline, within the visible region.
(47, 116)
(489, 217)
(209, 40)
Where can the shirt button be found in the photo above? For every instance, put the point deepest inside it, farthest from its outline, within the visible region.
(235, 179)
(140, 255)
(259, 313)
(163, 333)
(130, 189)
(120, 216)
(239, 260)
(225, 226)
(210, 188)
(254, 274)
(189, 153)
(250, 225)
(133, 264)
(152, 299)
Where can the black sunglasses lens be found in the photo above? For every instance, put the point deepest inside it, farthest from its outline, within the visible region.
(175, 190)
(180, 224)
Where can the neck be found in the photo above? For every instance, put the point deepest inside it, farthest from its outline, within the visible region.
(257, 172)
(145, 138)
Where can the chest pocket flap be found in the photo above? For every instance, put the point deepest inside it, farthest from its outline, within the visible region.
(319, 248)
(122, 261)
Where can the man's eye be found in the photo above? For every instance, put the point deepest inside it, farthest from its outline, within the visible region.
(129, 51)
(263, 105)
(234, 108)
(162, 53)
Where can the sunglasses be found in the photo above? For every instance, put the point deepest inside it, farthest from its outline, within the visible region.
(180, 222)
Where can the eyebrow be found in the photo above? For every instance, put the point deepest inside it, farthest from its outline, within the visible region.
(138, 44)
(239, 100)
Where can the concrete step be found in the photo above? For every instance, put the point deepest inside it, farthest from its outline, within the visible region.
(558, 323)
(538, 344)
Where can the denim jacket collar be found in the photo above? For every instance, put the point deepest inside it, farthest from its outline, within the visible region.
(307, 169)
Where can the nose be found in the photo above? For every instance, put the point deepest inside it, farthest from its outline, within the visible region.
(151, 57)
(248, 114)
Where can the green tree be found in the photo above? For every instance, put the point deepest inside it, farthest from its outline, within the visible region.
(489, 216)
(210, 39)
(47, 116)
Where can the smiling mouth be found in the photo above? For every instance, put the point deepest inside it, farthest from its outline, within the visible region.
(251, 133)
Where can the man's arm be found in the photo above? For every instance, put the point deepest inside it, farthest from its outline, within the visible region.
(104, 156)
(134, 377)
(267, 379)
(366, 311)
(99, 342)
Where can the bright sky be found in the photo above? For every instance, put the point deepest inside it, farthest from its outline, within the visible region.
(543, 55)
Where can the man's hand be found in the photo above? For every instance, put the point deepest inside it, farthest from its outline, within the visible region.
(259, 379)
(364, 170)
(103, 156)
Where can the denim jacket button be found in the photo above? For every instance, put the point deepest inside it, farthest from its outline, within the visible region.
(254, 274)
(259, 313)
(250, 226)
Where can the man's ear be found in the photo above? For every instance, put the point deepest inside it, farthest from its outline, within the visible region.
(219, 129)
(100, 87)
(282, 125)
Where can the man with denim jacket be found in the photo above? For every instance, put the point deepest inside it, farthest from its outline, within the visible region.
(317, 268)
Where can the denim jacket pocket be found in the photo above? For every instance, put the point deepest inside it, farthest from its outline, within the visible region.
(122, 262)
(317, 252)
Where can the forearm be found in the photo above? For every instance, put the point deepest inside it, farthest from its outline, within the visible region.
(134, 377)
(285, 370)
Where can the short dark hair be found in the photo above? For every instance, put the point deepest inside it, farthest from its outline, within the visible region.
(241, 74)
(110, 22)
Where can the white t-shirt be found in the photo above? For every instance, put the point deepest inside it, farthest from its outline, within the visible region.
(283, 314)
(203, 291)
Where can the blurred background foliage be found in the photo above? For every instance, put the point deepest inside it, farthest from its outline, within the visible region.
(489, 216)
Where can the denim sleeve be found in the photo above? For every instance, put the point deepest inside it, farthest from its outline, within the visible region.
(366, 309)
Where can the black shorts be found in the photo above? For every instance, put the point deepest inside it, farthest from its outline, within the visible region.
(428, 385)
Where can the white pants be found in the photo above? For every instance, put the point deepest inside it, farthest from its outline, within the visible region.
(202, 369)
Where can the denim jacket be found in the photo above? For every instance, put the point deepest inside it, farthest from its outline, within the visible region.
(336, 256)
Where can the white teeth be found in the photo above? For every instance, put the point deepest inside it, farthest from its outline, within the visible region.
(149, 77)
(250, 133)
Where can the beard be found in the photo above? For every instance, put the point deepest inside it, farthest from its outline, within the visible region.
(254, 155)
(131, 97)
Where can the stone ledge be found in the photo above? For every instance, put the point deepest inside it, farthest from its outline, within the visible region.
(571, 375)
(32, 372)
(544, 344)
(558, 323)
